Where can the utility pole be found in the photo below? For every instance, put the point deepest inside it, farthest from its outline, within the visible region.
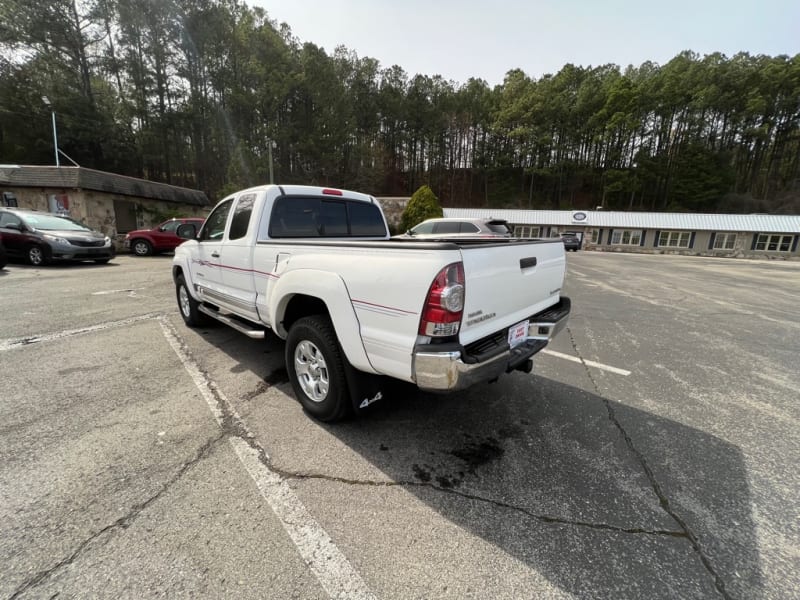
(55, 134)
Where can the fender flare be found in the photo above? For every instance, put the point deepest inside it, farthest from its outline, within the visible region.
(180, 265)
(331, 289)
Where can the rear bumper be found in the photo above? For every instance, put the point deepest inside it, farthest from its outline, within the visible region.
(452, 368)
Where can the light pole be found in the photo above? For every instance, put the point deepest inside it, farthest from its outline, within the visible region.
(270, 146)
(55, 135)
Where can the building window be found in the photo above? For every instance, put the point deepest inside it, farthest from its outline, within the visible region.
(526, 231)
(674, 239)
(724, 241)
(125, 216)
(594, 235)
(774, 243)
(627, 237)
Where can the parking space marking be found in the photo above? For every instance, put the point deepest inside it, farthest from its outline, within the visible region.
(11, 344)
(129, 291)
(330, 566)
(588, 363)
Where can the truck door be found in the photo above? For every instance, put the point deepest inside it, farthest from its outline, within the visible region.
(207, 267)
(13, 232)
(239, 272)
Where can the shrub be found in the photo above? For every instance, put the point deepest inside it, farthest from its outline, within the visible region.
(423, 205)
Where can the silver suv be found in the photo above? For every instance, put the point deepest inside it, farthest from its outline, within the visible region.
(456, 227)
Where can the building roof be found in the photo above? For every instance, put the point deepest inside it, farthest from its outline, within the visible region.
(99, 181)
(638, 220)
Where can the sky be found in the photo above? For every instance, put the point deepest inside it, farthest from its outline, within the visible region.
(485, 39)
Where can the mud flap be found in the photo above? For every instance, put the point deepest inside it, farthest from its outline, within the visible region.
(365, 389)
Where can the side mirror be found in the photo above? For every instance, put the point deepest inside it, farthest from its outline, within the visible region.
(187, 231)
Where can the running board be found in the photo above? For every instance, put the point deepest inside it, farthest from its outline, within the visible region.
(256, 334)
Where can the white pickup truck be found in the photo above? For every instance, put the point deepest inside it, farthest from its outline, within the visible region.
(317, 266)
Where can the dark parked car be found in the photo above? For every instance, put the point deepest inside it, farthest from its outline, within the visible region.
(571, 241)
(162, 238)
(2, 253)
(41, 237)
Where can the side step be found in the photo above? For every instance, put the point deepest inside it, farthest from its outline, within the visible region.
(256, 334)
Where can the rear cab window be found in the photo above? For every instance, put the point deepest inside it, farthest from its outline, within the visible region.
(312, 217)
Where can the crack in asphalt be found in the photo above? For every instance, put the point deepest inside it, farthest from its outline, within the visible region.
(123, 522)
(654, 484)
(549, 519)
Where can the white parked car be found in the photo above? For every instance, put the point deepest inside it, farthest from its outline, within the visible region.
(448, 227)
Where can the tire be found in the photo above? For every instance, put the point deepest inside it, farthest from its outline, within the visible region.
(36, 255)
(316, 369)
(188, 306)
(141, 247)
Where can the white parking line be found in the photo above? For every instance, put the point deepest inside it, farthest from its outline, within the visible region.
(588, 363)
(331, 567)
(13, 343)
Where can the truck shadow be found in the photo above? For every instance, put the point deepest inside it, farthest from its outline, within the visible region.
(600, 498)
(589, 492)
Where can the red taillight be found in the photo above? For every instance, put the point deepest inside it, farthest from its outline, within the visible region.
(330, 192)
(444, 306)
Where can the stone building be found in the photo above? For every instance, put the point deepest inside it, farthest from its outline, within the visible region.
(727, 235)
(393, 207)
(113, 204)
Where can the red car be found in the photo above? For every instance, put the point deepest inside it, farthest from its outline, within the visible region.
(144, 242)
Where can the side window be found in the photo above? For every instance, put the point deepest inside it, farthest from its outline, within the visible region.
(214, 227)
(241, 216)
(170, 226)
(7, 219)
(365, 220)
(469, 228)
(447, 227)
(423, 228)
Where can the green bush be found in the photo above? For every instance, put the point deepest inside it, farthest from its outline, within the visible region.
(423, 205)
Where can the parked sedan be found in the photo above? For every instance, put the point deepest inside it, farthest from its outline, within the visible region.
(41, 237)
(162, 238)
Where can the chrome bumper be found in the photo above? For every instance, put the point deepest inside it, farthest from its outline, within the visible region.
(448, 371)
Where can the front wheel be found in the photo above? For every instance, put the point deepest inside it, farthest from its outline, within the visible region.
(36, 256)
(316, 368)
(141, 248)
(188, 306)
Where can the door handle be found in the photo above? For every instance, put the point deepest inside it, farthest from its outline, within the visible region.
(215, 254)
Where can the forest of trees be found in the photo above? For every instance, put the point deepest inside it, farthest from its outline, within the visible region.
(194, 92)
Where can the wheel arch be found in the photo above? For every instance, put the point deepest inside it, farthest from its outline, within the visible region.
(306, 292)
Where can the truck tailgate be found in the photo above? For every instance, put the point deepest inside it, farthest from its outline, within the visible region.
(507, 283)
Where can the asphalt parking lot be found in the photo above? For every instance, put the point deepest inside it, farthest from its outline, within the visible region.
(652, 454)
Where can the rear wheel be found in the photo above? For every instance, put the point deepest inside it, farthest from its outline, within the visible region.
(141, 247)
(36, 256)
(316, 368)
(188, 306)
